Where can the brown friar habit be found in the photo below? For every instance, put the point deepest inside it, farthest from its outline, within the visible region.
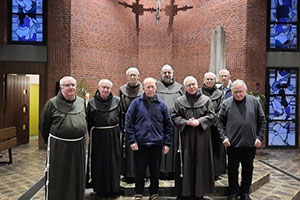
(169, 93)
(103, 117)
(197, 157)
(217, 97)
(63, 126)
(127, 94)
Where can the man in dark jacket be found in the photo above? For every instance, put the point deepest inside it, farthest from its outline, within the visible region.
(241, 124)
(224, 77)
(149, 133)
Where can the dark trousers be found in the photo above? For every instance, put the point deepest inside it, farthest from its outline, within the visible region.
(147, 156)
(245, 156)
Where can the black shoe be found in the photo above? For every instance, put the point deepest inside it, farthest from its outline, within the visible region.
(232, 197)
(200, 198)
(128, 180)
(217, 178)
(245, 196)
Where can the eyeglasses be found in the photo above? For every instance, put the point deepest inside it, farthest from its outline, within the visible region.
(69, 85)
(238, 91)
(191, 85)
(224, 76)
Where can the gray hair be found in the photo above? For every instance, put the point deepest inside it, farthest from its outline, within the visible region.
(210, 73)
(167, 67)
(132, 69)
(189, 78)
(105, 80)
(61, 82)
(149, 79)
(224, 70)
(239, 82)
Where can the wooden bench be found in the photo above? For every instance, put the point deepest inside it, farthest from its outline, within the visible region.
(8, 139)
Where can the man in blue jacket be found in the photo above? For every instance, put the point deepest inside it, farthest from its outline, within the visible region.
(149, 133)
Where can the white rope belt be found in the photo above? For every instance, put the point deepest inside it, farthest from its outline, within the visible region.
(48, 157)
(104, 127)
(91, 139)
(65, 139)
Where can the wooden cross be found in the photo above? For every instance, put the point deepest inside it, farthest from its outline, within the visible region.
(137, 9)
(171, 10)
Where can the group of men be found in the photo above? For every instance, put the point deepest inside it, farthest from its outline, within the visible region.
(176, 131)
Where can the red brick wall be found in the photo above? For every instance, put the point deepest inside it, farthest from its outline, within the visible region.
(103, 42)
(256, 44)
(192, 35)
(59, 41)
(155, 43)
(187, 47)
(99, 40)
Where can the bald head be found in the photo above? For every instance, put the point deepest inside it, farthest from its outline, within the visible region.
(190, 85)
(149, 86)
(132, 75)
(209, 79)
(224, 77)
(104, 87)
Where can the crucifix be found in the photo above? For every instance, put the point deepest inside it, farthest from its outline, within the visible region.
(171, 10)
(138, 10)
(158, 9)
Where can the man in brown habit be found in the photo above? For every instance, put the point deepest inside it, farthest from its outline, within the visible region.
(127, 94)
(63, 126)
(193, 115)
(169, 90)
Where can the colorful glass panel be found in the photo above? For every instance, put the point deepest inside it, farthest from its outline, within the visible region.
(282, 134)
(282, 107)
(27, 6)
(283, 82)
(283, 36)
(27, 21)
(283, 10)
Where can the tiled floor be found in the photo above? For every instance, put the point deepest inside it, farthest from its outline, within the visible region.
(283, 165)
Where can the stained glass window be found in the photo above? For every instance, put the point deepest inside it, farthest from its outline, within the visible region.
(27, 21)
(283, 25)
(282, 134)
(283, 36)
(282, 108)
(283, 10)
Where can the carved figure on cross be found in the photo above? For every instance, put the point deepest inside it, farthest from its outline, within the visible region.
(172, 9)
(158, 9)
(138, 10)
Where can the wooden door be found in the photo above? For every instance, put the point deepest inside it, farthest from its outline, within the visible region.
(16, 113)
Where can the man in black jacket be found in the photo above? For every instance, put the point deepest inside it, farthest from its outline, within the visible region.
(241, 124)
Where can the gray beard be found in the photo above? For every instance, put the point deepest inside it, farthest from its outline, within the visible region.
(168, 80)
